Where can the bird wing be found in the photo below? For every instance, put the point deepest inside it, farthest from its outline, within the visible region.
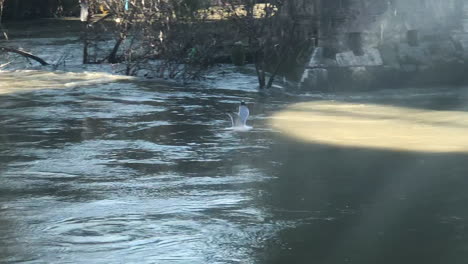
(235, 120)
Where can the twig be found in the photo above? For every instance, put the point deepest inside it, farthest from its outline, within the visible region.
(4, 65)
(101, 19)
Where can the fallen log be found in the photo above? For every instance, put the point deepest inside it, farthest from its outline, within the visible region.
(25, 54)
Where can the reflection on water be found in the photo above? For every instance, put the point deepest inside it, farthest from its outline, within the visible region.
(96, 168)
(375, 126)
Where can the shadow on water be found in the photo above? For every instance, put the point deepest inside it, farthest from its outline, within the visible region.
(361, 205)
(429, 98)
(372, 182)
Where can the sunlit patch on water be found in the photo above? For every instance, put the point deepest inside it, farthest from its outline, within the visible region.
(31, 80)
(375, 126)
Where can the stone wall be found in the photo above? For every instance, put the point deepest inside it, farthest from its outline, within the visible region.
(381, 39)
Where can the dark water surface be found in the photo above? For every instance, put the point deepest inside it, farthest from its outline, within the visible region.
(101, 170)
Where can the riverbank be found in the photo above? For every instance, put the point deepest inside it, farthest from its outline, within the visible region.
(435, 60)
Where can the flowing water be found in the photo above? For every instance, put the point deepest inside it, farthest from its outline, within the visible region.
(100, 168)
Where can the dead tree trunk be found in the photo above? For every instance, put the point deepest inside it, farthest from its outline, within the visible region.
(85, 17)
(113, 55)
(24, 54)
(2, 2)
(1, 10)
(282, 55)
(85, 45)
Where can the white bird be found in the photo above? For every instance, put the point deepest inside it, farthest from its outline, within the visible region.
(239, 120)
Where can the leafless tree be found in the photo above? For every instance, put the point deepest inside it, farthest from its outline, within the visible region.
(269, 35)
(167, 31)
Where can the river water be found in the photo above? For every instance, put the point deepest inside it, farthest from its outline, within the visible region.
(101, 168)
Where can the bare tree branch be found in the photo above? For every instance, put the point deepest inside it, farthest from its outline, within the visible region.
(25, 54)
